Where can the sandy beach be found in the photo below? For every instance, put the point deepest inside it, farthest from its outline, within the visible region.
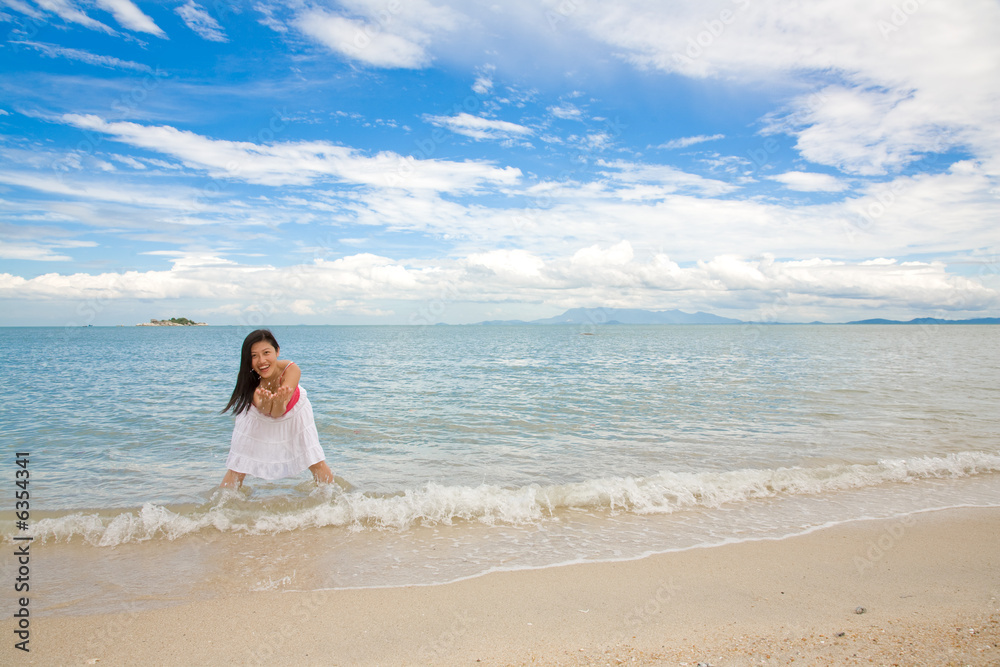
(922, 590)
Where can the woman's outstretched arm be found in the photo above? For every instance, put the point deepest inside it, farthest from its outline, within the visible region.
(278, 400)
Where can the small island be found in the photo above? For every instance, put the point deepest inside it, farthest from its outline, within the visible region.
(172, 322)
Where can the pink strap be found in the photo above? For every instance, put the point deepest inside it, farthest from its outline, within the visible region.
(292, 401)
(285, 369)
(295, 396)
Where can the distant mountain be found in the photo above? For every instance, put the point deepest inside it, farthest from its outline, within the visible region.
(501, 323)
(594, 316)
(932, 320)
(623, 316)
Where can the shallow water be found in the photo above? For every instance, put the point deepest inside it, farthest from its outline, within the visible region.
(472, 449)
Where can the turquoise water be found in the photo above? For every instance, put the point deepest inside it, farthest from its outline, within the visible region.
(501, 447)
(115, 417)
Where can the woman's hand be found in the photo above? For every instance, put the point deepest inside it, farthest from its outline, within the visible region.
(279, 400)
(264, 400)
(273, 403)
(283, 395)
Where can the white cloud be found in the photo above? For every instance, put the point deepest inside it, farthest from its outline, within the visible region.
(130, 16)
(668, 179)
(302, 307)
(361, 41)
(484, 80)
(907, 212)
(804, 181)
(918, 286)
(595, 141)
(684, 142)
(380, 35)
(201, 22)
(53, 51)
(480, 128)
(301, 163)
(132, 162)
(66, 11)
(39, 252)
(856, 96)
(109, 191)
(23, 7)
(908, 82)
(415, 16)
(482, 85)
(509, 264)
(566, 111)
(862, 131)
(594, 256)
(268, 17)
(657, 207)
(597, 274)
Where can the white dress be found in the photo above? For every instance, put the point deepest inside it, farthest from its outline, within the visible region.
(272, 448)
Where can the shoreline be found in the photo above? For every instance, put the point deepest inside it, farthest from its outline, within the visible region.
(929, 584)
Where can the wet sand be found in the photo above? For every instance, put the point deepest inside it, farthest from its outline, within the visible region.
(928, 587)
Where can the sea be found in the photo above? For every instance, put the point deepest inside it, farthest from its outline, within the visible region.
(464, 450)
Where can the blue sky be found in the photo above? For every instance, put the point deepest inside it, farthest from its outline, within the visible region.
(415, 162)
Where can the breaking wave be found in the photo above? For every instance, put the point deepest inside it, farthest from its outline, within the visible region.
(435, 504)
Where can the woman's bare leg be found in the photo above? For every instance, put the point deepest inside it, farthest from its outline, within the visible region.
(233, 479)
(321, 472)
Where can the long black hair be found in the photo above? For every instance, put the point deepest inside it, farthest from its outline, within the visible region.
(248, 380)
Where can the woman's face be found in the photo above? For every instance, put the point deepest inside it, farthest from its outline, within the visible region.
(263, 358)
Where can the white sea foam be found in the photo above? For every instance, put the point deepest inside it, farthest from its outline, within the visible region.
(435, 504)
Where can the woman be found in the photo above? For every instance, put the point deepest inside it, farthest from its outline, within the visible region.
(274, 435)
